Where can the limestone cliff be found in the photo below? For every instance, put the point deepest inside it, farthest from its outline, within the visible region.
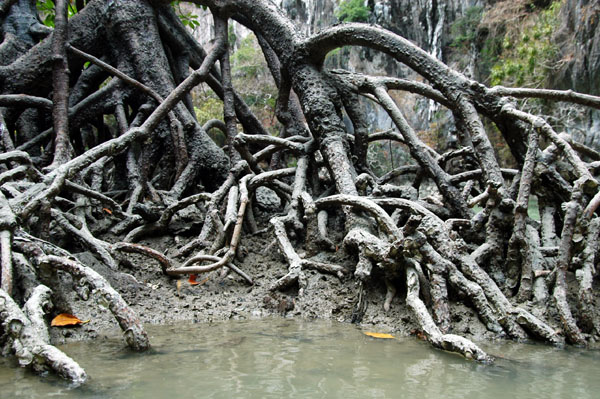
(474, 36)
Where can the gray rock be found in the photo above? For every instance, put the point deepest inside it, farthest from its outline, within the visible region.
(267, 199)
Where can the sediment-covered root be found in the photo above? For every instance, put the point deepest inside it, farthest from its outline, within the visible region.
(106, 296)
(82, 233)
(7, 224)
(587, 315)
(428, 236)
(292, 219)
(295, 274)
(165, 262)
(27, 336)
(449, 342)
(559, 294)
(212, 211)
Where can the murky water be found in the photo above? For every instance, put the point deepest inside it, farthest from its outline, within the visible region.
(290, 359)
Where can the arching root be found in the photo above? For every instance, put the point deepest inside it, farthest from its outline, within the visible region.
(105, 295)
(449, 342)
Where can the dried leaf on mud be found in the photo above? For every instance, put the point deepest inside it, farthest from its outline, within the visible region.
(379, 335)
(65, 320)
(192, 280)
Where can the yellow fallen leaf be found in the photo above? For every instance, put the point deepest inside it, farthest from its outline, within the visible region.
(379, 335)
(65, 319)
(107, 211)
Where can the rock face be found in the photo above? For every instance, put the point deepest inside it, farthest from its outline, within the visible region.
(428, 24)
(415, 20)
(425, 22)
(580, 35)
(311, 15)
(579, 41)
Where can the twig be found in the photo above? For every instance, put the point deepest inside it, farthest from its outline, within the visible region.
(235, 239)
(115, 72)
(204, 269)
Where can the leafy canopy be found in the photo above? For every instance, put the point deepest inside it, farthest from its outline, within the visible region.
(527, 58)
(46, 9)
(353, 11)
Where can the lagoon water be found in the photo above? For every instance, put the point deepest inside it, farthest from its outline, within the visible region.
(282, 358)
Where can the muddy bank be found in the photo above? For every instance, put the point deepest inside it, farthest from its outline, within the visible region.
(160, 299)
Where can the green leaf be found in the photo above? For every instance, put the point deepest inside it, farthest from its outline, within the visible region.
(353, 11)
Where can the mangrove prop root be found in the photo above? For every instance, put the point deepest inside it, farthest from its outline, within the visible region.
(449, 342)
(28, 336)
(76, 172)
(134, 332)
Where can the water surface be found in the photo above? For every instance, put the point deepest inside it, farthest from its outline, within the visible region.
(279, 358)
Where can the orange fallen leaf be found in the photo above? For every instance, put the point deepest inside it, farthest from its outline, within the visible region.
(192, 280)
(65, 319)
(107, 211)
(379, 335)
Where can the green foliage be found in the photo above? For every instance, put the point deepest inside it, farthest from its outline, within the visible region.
(527, 59)
(46, 11)
(252, 79)
(490, 51)
(353, 11)
(210, 107)
(188, 19)
(231, 37)
(464, 29)
(45, 6)
(247, 59)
